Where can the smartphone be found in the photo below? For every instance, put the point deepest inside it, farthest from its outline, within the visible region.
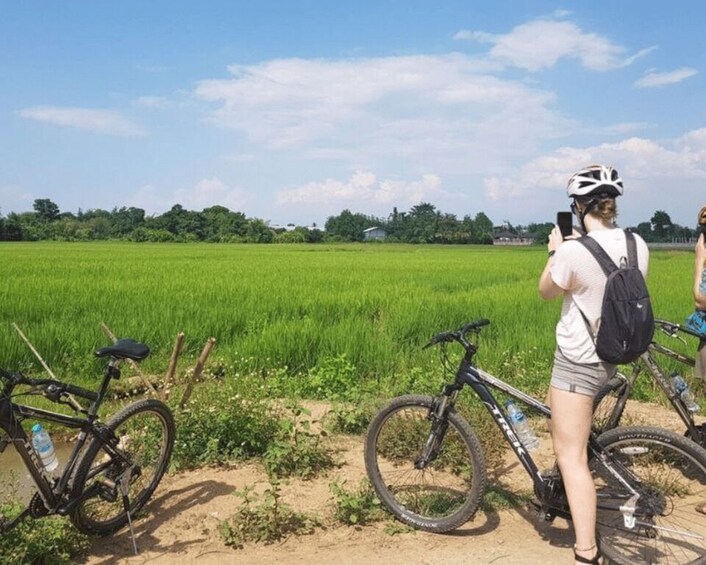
(565, 222)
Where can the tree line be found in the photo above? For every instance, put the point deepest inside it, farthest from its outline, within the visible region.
(423, 223)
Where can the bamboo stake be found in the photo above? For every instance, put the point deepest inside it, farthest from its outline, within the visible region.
(197, 370)
(178, 344)
(145, 380)
(36, 353)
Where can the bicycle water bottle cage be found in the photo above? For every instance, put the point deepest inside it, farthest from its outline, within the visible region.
(125, 349)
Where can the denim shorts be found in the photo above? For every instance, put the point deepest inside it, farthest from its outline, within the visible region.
(581, 378)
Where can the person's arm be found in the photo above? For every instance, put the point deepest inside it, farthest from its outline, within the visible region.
(548, 289)
(699, 265)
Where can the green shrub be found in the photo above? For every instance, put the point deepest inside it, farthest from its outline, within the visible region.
(263, 518)
(220, 424)
(296, 450)
(48, 541)
(356, 507)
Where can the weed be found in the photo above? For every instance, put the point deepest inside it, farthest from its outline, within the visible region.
(356, 507)
(49, 540)
(264, 518)
(350, 419)
(296, 450)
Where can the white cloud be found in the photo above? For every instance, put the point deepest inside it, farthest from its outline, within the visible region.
(362, 191)
(653, 79)
(539, 45)
(417, 109)
(97, 121)
(657, 175)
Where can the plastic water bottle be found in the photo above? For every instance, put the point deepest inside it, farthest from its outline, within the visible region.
(44, 447)
(682, 389)
(521, 426)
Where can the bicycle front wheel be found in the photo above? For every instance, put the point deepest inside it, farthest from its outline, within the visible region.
(430, 474)
(668, 472)
(144, 434)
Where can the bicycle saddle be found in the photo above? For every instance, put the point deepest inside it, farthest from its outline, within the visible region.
(125, 349)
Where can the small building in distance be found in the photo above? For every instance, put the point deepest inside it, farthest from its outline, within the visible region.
(506, 237)
(374, 234)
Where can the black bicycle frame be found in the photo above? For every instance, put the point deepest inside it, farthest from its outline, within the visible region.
(664, 384)
(480, 380)
(52, 491)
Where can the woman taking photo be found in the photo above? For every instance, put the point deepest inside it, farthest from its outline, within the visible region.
(572, 272)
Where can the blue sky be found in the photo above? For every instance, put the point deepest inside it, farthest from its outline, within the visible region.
(292, 111)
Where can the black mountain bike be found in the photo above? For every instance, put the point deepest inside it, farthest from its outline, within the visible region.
(609, 403)
(114, 467)
(427, 467)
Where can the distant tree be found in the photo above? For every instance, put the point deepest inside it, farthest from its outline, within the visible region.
(448, 230)
(540, 231)
(221, 224)
(483, 228)
(348, 226)
(644, 230)
(124, 220)
(13, 228)
(258, 232)
(46, 210)
(661, 224)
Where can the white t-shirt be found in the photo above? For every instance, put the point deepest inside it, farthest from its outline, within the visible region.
(576, 271)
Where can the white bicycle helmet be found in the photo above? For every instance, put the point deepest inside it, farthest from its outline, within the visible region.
(594, 181)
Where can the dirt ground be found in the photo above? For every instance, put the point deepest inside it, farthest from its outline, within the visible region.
(183, 517)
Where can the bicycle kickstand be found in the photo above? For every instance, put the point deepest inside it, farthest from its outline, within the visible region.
(124, 489)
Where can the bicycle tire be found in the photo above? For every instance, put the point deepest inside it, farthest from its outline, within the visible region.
(418, 497)
(669, 473)
(605, 415)
(145, 431)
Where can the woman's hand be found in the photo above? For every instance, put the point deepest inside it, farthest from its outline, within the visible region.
(555, 239)
(700, 251)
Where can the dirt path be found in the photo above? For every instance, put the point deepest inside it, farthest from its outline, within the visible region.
(182, 526)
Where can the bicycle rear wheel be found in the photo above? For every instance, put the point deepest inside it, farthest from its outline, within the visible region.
(669, 474)
(144, 432)
(606, 411)
(430, 474)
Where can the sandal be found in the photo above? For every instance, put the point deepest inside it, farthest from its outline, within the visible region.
(597, 558)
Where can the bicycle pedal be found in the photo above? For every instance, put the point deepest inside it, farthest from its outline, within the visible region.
(542, 511)
(108, 490)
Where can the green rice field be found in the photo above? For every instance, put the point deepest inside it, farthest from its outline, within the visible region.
(291, 307)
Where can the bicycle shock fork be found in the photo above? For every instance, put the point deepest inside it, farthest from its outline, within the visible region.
(438, 417)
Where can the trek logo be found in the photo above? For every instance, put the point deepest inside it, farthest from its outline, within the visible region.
(507, 429)
(33, 455)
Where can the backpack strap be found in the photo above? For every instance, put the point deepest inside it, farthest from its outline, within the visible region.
(606, 264)
(604, 259)
(632, 249)
(599, 253)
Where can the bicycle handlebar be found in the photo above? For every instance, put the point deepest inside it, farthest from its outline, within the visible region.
(672, 328)
(458, 335)
(53, 389)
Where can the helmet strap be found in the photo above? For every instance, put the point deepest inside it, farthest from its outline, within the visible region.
(581, 214)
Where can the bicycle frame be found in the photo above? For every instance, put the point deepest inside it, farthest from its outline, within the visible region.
(649, 362)
(53, 491)
(480, 381)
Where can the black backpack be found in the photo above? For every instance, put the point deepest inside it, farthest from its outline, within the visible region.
(627, 322)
